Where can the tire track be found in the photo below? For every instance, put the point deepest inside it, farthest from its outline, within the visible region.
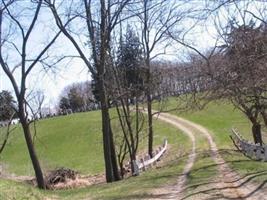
(174, 191)
(229, 185)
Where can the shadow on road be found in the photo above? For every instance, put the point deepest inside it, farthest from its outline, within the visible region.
(211, 187)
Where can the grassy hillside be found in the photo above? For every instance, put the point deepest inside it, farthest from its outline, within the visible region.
(74, 141)
(218, 117)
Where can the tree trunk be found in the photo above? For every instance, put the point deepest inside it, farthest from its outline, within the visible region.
(106, 137)
(33, 156)
(150, 125)
(111, 166)
(134, 167)
(149, 105)
(114, 158)
(256, 130)
(121, 170)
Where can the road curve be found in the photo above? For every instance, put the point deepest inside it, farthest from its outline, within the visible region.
(228, 184)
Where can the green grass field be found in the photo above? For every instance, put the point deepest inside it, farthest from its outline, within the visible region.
(75, 141)
(72, 141)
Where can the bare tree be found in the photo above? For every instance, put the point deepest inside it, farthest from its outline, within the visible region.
(235, 69)
(18, 20)
(241, 76)
(97, 20)
(242, 61)
(36, 101)
(156, 19)
(131, 119)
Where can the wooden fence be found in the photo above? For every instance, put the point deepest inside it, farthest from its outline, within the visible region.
(249, 149)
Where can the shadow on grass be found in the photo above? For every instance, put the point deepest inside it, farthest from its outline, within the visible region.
(139, 187)
(215, 192)
(242, 181)
(213, 189)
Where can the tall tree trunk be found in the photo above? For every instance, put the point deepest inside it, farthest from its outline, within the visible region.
(121, 169)
(133, 163)
(149, 106)
(256, 130)
(106, 134)
(111, 165)
(150, 125)
(113, 157)
(108, 143)
(33, 156)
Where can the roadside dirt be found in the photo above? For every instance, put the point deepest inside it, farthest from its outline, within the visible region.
(79, 182)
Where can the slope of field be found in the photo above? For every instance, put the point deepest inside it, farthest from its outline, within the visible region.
(74, 141)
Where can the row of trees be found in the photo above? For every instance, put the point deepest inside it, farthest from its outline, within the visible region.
(122, 67)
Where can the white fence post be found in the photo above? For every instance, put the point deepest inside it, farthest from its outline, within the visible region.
(143, 164)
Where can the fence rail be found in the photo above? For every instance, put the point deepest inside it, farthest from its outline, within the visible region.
(145, 162)
(249, 149)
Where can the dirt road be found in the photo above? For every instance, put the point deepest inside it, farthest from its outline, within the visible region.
(226, 185)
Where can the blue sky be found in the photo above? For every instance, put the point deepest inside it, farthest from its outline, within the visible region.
(67, 73)
(48, 81)
(52, 84)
